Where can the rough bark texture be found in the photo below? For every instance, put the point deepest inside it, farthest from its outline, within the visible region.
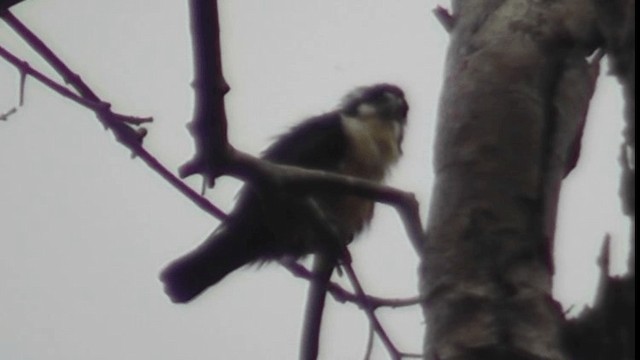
(516, 91)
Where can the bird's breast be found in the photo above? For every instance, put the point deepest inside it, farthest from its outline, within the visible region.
(373, 146)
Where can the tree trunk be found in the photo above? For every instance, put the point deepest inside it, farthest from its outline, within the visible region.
(516, 92)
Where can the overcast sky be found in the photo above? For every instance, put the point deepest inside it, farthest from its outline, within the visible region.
(84, 229)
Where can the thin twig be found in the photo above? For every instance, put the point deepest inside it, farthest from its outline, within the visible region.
(369, 346)
(342, 295)
(23, 84)
(100, 107)
(5, 116)
(447, 20)
(373, 319)
(124, 134)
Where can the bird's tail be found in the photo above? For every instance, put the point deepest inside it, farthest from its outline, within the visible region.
(188, 276)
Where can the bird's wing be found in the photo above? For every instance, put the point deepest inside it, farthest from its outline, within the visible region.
(317, 143)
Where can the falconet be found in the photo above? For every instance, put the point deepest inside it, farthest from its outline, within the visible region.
(361, 138)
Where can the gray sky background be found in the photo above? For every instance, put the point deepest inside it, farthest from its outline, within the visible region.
(84, 230)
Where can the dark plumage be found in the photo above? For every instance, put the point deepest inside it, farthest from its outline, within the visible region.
(361, 138)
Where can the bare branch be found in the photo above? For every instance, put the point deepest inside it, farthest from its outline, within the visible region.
(323, 268)
(209, 125)
(342, 295)
(5, 116)
(23, 83)
(100, 107)
(369, 311)
(124, 134)
(319, 281)
(444, 16)
(369, 346)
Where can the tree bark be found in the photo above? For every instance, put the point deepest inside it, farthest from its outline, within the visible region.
(516, 91)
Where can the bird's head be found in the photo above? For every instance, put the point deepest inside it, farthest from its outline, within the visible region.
(385, 101)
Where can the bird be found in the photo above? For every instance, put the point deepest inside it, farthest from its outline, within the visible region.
(362, 137)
